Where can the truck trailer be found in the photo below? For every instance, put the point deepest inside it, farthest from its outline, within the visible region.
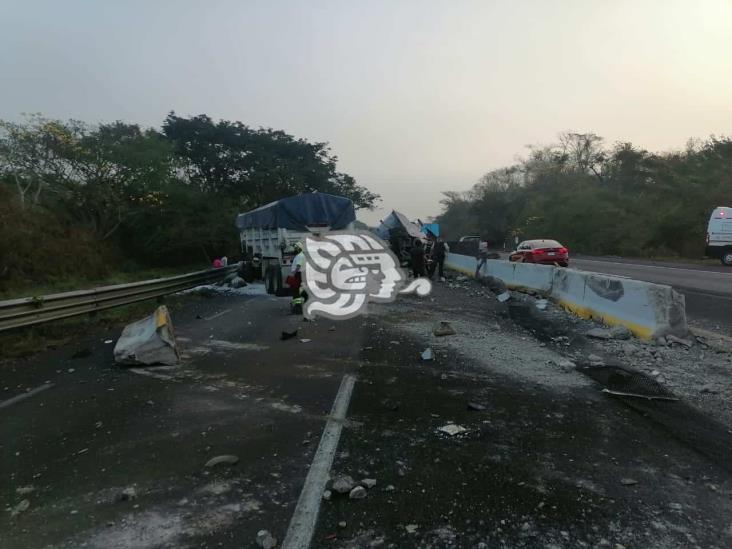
(268, 234)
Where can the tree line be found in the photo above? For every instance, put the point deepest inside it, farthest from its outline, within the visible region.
(597, 199)
(76, 198)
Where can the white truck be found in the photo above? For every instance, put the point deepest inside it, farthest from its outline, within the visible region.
(719, 235)
(268, 233)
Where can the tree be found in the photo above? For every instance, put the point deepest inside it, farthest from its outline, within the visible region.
(256, 166)
(32, 154)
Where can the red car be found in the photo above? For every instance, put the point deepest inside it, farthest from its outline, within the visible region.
(546, 252)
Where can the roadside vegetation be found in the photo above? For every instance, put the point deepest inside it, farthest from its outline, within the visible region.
(616, 200)
(84, 203)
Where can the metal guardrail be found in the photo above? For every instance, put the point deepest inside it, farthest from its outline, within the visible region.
(27, 311)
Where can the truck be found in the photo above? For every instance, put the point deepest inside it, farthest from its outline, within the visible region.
(268, 233)
(719, 235)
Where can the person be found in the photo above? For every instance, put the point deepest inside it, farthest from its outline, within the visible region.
(417, 257)
(299, 295)
(217, 263)
(439, 250)
(482, 256)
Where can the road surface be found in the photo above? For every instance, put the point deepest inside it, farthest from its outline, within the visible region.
(708, 289)
(115, 458)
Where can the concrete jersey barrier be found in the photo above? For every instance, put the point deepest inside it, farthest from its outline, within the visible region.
(646, 309)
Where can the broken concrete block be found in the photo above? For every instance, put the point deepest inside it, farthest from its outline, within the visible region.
(222, 460)
(343, 484)
(148, 341)
(427, 354)
(359, 492)
(598, 333)
(673, 339)
(620, 332)
(505, 296)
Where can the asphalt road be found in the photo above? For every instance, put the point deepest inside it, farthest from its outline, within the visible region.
(708, 289)
(114, 458)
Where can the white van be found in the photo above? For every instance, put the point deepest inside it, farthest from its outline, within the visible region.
(719, 235)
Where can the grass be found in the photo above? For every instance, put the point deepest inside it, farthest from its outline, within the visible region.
(24, 342)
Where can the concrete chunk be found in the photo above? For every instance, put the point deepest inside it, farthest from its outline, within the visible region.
(148, 341)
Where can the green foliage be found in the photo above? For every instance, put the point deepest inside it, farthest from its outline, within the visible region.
(78, 199)
(622, 200)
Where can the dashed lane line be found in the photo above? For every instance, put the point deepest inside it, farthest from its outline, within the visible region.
(23, 396)
(304, 519)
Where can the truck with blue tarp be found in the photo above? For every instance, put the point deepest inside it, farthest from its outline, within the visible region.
(268, 233)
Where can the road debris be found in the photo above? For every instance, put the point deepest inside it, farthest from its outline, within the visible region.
(411, 528)
(452, 429)
(620, 332)
(628, 481)
(148, 341)
(327, 495)
(541, 304)
(503, 297)
(25, 490)
(266, 540)
(305, 340)
(368, 482)
(475, 407)
(670, 338)
(443, 328)
(427, 354)
(598, 333)
(20, 508)
(287, 335)
(343, 484)
(127, 494)
(222, 460)
(358, 492)
(595, 360)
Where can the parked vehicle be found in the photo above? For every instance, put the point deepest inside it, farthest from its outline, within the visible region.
(546, 252)
(469, 238)
(269, 233)
(719, 235)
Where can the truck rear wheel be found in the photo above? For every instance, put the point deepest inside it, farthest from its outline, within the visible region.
(727, 258)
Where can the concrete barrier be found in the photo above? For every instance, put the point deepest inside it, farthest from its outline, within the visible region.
(646, 309)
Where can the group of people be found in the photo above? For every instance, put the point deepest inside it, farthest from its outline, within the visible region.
(425, 263)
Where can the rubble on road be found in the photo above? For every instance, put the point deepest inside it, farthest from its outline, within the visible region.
(616, 332)
(214, 289)
(222, 460)
(368, 482)
(23, 506)
(452, 429)
(358, 492)
(475, 407)
(505, 296)
(443, 329)
(148, 341)
(266, 540)
(343, 484)
(670, 338)
(427, 354)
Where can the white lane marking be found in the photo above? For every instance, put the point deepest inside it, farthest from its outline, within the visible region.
(618, 264)
(217, 315)
(705, 294)
(25, 395)
(302, 526)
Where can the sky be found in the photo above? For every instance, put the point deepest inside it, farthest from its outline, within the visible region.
(415, 97)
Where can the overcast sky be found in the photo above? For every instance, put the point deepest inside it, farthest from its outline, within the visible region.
(415, 97)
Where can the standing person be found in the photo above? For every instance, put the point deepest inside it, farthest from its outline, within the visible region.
(299, 295)
(439, 250)
(418, 260)
(482, 256)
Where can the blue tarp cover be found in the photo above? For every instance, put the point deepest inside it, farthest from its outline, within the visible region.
(434, 228)
(296, 212)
